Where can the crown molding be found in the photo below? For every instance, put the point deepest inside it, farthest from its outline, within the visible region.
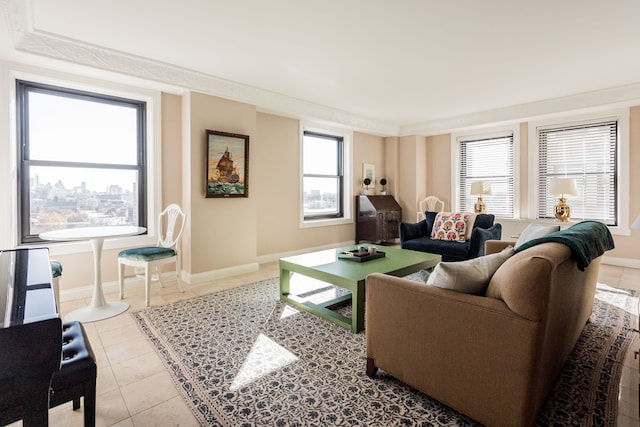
(29, 40)
(627, 95)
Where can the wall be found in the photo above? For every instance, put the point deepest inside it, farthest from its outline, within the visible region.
(627, 246)
(439, 169)
(412, 174)
(220, 232)
(278, 197)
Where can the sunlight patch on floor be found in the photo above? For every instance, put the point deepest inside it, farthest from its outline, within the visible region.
(265, 356)
(288, 311)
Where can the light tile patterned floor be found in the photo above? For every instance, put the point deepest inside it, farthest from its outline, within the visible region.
(135, 390)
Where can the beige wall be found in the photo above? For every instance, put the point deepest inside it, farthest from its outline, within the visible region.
(627, 247)
(439, 169)
(278, 197)
(220, 232)
(412, 174)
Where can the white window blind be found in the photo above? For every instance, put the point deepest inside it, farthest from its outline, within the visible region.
(488, 159)
(588, 153)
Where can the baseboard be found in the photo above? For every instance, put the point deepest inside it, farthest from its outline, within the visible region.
(621, 262)
(193, 279)
(263, 259)
(138, 281)
(190, 279)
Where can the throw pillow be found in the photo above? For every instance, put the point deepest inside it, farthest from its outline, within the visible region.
(471, 276)
(535, 231)
(450, 226)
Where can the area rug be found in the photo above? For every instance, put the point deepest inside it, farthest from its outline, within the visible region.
(240, 357)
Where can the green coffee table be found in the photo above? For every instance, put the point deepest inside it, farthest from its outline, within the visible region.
(351, 275)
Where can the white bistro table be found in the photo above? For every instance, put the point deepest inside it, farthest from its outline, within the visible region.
(99, 308)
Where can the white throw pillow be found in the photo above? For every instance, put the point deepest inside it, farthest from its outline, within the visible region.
(471, 276)
(535, 231)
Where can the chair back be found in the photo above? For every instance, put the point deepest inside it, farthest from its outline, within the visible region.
(171, 216)
(430, 203)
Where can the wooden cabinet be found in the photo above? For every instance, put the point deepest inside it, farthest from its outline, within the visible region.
(377, 219)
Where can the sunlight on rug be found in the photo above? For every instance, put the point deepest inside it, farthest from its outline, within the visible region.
(265, 356)
(242, 357)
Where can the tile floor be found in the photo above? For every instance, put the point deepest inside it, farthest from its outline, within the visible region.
(134, 389)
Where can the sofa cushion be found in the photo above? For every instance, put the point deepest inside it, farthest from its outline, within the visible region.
(453, 250)
(471, 276)
(450, 226)
(534, 231)
(430, 218)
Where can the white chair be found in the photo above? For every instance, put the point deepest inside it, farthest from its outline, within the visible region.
(150, 258)
(430, 203)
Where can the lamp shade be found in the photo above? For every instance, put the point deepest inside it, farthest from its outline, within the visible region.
(562, 187)
(636, 223)
(480, 188)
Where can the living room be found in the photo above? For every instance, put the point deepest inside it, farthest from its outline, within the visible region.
(232, 237)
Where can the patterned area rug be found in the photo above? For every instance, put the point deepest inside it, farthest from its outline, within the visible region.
(242, 358)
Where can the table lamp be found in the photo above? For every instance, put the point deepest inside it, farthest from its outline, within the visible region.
(480, 188)
(563, 187)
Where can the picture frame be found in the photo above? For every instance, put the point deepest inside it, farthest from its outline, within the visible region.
(227, 168)
(369, 171)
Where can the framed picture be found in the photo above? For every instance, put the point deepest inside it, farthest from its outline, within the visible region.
(369, 171)
(227, 164)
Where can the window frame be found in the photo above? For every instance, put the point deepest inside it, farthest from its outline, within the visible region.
(25, 162)
(480, 134)
(9, 141)
(345, 158)
(622, 159)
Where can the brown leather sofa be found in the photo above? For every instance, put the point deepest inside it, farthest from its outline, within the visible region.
(493, 357)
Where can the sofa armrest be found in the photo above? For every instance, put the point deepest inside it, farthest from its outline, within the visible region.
(480, 235)
(409, 231)
(470, 352)
(495, 246)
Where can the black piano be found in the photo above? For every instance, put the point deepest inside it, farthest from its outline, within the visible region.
(30, 335)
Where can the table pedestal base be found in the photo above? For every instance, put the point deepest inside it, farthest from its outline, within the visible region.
(93, 314)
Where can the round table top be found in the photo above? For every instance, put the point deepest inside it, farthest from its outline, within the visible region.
(86, 233)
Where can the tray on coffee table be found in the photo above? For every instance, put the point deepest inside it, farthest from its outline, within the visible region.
(358, 256)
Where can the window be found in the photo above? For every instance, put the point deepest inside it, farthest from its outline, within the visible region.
(588, 152)
(489, 158)
(81, 159)
(323, 176)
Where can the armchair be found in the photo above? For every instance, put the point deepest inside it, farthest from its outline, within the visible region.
(417, 237)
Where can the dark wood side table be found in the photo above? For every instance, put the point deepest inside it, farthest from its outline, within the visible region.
(377, 219)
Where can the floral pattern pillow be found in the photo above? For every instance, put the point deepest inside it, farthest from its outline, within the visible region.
(450, 226)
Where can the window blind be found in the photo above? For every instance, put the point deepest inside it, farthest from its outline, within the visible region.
(491, 160)
(588, 153)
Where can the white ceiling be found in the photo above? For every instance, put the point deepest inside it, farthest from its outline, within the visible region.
(377, 65)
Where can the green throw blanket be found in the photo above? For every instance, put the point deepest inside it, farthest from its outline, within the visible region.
(587, 241)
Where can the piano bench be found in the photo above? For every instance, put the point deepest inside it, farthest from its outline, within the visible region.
(77, 375)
